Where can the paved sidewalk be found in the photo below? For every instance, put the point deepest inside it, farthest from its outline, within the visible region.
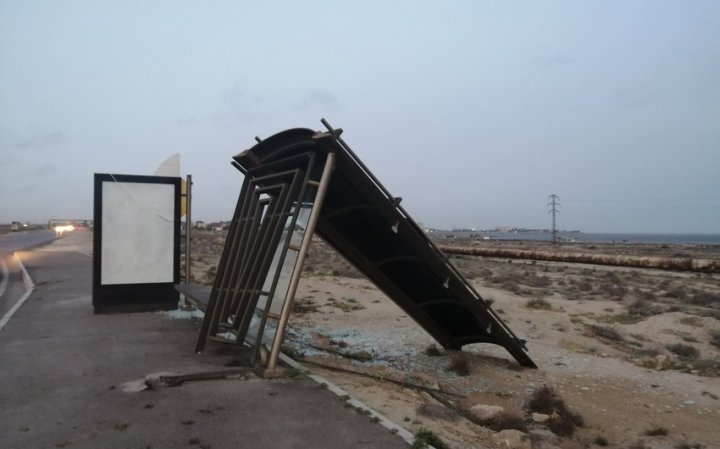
(62, 368)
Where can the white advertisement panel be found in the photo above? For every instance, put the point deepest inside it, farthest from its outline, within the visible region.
(137, 233)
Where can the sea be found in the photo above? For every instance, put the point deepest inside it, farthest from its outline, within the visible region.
(581, 237)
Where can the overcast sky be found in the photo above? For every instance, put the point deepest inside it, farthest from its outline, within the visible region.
(472, 111)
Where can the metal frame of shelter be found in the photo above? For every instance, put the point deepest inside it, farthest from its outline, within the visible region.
(300, 182)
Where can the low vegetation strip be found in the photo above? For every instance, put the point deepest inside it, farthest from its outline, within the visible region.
(664, 263)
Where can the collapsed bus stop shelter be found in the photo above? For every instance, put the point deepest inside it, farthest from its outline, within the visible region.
(302, 182)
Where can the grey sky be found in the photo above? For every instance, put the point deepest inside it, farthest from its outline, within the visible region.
(472, 111)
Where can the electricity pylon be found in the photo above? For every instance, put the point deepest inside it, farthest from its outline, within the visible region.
(553, 205)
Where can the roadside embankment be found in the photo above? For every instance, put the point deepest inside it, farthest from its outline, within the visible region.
(558, 255)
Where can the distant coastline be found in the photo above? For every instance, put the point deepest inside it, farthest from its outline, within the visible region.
(576, 236)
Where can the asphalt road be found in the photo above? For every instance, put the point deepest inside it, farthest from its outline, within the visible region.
(17, 241)
(63, 369)
(11, 284)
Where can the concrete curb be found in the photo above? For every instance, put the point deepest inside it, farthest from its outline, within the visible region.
(29, 288)
(384, 421)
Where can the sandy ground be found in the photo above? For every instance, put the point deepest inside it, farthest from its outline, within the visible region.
(635, 352)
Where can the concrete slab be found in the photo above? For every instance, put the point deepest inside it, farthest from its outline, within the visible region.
(62, 368)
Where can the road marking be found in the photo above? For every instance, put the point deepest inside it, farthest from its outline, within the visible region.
(29, 285)
(5, 276)
(27, 280)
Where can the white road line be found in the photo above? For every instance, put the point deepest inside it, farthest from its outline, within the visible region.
(29, 285)
(5, 276)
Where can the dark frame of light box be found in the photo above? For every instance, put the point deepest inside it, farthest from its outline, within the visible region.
(136, 253)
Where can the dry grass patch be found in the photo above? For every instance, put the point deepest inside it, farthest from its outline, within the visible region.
(584, 286)
(715, 338)
(533, 280)
(643, 308)
(606, 333)
(689, 445)
(705, 299)
(691, 321)
(538, 304)
(684, 351)
(506, 420)
(305, 305)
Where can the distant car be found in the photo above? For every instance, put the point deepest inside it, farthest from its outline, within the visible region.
(15, 226)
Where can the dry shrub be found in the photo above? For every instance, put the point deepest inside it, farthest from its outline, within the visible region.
(690, 321)
(506, 420)
(688, 445)
(600, 441)
(705, 299)
(459, 365)
(305, 305)
(677, 293)
(622, 318)
(705, 367)
(682, 350)
(584, 286)
(715, 338)
(432, 350)
(538, 303)
(606, 333)
(425, 438)
(642, 307)
(565, 425)
(562, 421)
(533, 280)
(656, 432)
(615, 291)
(645, 294)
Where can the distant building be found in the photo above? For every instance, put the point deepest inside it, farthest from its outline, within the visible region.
(218, 226)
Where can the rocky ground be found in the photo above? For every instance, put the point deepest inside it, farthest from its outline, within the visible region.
(627, 357)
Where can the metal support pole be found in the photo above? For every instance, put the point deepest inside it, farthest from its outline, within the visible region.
(304, 245)
(188, 225)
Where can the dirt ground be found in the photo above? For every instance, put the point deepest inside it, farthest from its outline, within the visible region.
(627, 357)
